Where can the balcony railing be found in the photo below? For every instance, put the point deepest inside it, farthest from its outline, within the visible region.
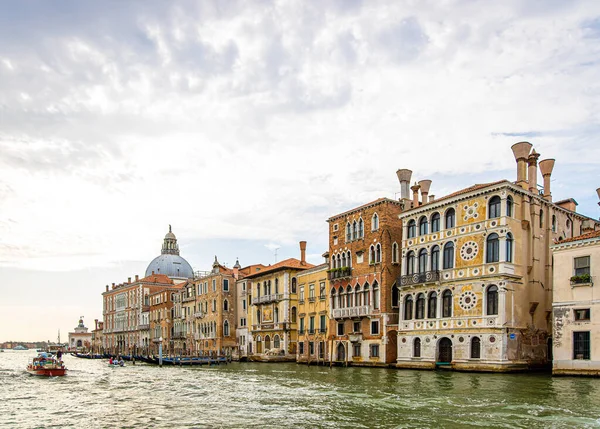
(339, 273)
(420, 278)
(311, 299)
(342, 313)
(188, 298)
(179, 336)
(199, 314)
(267, 298)
(143, 326)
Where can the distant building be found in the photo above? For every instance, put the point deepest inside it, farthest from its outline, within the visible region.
(576, 305)
(80, 339)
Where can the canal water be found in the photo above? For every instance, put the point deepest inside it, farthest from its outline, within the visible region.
(253, 395)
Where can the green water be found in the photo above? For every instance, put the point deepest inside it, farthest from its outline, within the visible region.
(288, 395)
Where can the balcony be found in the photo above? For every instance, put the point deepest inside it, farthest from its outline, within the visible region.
(179, 336)
(420, 278)
(143, 326)
(339, 273)
(199, 314)
(188, 299)
(312, 299)
(344, 313)
(267, 298)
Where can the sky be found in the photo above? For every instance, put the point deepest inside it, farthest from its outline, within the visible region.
(247, 124)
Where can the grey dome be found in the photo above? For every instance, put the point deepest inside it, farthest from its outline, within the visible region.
(170, 265)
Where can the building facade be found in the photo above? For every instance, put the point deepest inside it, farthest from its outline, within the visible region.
(80, 339)
(576, 306)
(476, 286)
(364, 251)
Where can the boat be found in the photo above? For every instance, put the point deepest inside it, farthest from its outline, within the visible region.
(46, 365)
(20, 347)
(87, 355)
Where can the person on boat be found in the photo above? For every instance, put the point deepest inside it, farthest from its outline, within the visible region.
(59, 354)
(110, 361)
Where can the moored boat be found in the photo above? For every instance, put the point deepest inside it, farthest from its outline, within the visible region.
(46, 365)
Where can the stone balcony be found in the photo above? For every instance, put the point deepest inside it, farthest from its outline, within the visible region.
(346, 313)
(267, 298)
(339, 273)
(419, 278)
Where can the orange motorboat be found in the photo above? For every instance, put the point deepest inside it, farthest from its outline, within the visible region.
(46, 365)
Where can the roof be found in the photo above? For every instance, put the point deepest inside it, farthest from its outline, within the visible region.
(586, 236)
(472, 188)
(364, 206)
(288, 263)
(156, 278)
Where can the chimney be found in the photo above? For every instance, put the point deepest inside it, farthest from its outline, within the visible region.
(431, 198)
(303, 252)
(113, 285)
(598, 192)
(532, 173)
(152, 272)
(521, 152)
(137, 277)
(588, 225)
(425, 185)
(404, 176)
(546, 167)
(415, 188)
(128, 280)
(96, 322)
(106, 288)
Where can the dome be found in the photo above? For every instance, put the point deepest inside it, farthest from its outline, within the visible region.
(170, 265)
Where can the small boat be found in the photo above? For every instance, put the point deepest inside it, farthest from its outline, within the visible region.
(46, 365)
(20, 347)
(116, 363)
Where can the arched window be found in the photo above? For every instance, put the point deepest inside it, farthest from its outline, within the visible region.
(357, 296)
(226, 328)
(375, 222)
(475, 348)
(339, 261)
(448, 255)
(343, 259)
(361, 228)
(276, 285)
(258, 316)
(435, 222)
(435, 258)
(354, 230)
(422, 265)
(509, 247)
(492, 300)
(410, 263)
(367, 295)
(333, 303)
(447, 303)
(423, 225)
(276, 315)
(417, 347)
(294, 284)
(372, 254)
(395, 253)
(341, 301)
(348, 232)
(333, 262)
(276, 342)
(432, 306)
(394, 296)
(450, 218)
(265, 288)
(349, 295)
(349, 258)
(420, 310)
(492, 248)
(225, 305)
(494, 207)
(378, 253)
(553, 223)
(267, 342)
(408, 307)
(541, 218)
(411, 230)
(294, 314)
(376, 296)
(509, 206)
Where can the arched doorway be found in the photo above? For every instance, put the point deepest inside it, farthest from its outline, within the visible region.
(341, 352)
(445, 350)
(258, 345)
(391, 347)
(267, 343)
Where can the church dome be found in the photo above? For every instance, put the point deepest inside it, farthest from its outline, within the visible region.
(169, 262)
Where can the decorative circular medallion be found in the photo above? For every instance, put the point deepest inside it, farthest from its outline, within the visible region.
(434, 237)
(469, 250)
(448, 233)
(476, 271)
(494, 223)
(461, 339)
(492, 339)
(403, 340)
(492, 269)
(431, 324)
(467, 300)
(490, 321)
(471, 212)
(427, 340)
(445, 324)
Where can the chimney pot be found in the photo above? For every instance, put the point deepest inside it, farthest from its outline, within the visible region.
(303, 252)
(128, 279)
(425, 185)
(521, 152)
(106, 288)
(137, 277)
(598, 192)
(431, 198)
(532, 173)
(546, 167)
(404, 176)
(415, 188)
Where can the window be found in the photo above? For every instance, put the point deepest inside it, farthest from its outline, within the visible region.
(435, 258)
(395, 296)
(348, 232)
(494, 207)
(553, 223)
(225, 305)
(276, 285)
(423, 225)
(417, 347)
(375, 222)
(492, 248)
(422, 265)
(356, 349)
(294, 314)
(311, 348)
(375, 296)
(432, 304)
(410, 263)
(374, 350)
(378, 253)
(366, 294)
(582, 265)
(450, 218)
(311, 325)
(582, 314)
(225, 285)
(322, 324)
(361, 228)
(349, 296)
(293, 284)
(301, 347)
(435, 222)
(372, 255)
(226, 328)
(448, 255)
(509, 206)
(301, 298)
(214, 305)
(354, 230)
(492, 300)
(581, 345)
(420, 310)
(214, 285)
(447, 303)
(541, 218)
(301, 329)
(395, 253)
(356, 326)
(374, 327)
(340, 329)
(475, 348)
(335, 227)
(509, 247)
(276, 342)
(408, 308)
(311, 292)
(411, 229)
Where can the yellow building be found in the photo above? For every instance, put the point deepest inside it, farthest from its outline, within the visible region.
(273, 315)
(313, 319)
(476, 283)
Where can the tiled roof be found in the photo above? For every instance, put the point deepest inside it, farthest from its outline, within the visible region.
(288, 263)
(372, 203)
(585, 236)
(156, 278)
(469, 189)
